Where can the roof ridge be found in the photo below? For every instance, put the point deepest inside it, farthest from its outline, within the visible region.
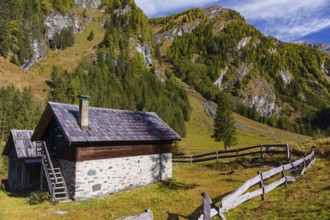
(103, 108)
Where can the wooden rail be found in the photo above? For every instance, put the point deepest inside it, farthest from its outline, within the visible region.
(144, 216)
(237, 197)
(235, 153)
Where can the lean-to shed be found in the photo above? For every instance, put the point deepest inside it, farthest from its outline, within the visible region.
(23, 163)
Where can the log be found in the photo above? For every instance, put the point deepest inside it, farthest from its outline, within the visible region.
(144, 216)
(291, 178)
(273, 185)
(213, 213)
(272, 172)
(239, 200)
(310, 164)
(206, 206)
(240, 190)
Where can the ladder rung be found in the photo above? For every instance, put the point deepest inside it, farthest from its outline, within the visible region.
(62, 187)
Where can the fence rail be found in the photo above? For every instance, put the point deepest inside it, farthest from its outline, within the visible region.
(237, 197)
(235, 153)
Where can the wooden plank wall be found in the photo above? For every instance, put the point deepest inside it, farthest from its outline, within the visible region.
(105, 152)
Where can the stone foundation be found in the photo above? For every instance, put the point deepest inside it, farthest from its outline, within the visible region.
(105, 176)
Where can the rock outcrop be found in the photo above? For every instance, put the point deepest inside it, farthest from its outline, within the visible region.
(176, 31)
(260, 94)
(145, 50)
(94, 4)
(55, 22)
(219, 80)
(243, 42)
(324, 69)
(40, 49)
(319, 46)
(286, 76)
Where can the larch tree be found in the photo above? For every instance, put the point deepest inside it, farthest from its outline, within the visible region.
(224, 123)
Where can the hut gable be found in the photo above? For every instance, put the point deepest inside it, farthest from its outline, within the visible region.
(20, 140)
(105, 125)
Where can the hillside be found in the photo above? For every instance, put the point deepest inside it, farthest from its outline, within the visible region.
(280, 84)
(116, 67)
(216, 50)
(249, 132)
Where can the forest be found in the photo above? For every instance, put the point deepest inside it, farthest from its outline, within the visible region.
(18, 110)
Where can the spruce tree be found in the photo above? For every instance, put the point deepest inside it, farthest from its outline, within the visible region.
(224, 129)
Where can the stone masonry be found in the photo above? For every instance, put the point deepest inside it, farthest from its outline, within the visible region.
(92, 178)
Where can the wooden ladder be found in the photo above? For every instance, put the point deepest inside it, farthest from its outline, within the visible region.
(56, 183)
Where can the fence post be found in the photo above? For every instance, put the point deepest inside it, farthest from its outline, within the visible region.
(261, 185)
(261, 152)
(283, 175)
(288, 156)
(190, 159)
(206, 207)
(217, 155)
(237, 153)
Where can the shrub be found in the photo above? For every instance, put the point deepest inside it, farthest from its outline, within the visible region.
(38, 197)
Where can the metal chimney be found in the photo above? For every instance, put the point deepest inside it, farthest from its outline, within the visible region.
(83, 111)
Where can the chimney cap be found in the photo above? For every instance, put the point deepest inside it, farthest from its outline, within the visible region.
(85, 97)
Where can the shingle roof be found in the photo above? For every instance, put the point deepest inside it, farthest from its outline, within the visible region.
(111, 125)
(21, 139)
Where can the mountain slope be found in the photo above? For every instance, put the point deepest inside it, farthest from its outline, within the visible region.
(215, 49)
(281, 84)
(249, 132)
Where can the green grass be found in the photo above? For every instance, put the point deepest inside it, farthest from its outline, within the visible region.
(249, 132)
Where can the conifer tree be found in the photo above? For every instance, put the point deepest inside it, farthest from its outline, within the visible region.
(224, 129)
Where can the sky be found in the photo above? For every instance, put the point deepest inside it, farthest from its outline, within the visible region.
(287, 20)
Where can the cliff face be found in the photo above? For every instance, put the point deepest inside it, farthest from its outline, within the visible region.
(94, 4)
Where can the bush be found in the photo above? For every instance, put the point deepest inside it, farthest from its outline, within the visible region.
(38, 197)
(4, 185)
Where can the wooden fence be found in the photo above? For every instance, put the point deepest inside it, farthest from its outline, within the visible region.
(235, 153)
(147, 215)
(237, 197)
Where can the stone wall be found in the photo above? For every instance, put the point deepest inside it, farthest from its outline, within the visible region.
(104, 176)
(69, 174)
